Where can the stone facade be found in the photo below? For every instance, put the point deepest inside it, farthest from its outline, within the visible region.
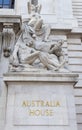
(64, 18)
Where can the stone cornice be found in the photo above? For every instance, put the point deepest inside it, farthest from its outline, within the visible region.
(10, 18)
(40, 76)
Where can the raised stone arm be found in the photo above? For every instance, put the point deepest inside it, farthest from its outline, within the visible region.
(32, 8)
(38, 8)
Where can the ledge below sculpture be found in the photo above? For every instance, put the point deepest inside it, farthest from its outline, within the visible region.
(38, 100)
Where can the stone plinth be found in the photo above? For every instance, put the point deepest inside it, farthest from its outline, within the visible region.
(37, 100)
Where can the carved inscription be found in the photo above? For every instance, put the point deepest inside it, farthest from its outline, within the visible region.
(40, 110)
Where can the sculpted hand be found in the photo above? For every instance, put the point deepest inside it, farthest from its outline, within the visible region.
(14, 60)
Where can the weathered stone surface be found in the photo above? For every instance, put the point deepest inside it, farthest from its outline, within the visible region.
(38, 99)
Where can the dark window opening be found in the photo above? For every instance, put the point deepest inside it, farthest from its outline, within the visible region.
(34, 2)
(7, 4)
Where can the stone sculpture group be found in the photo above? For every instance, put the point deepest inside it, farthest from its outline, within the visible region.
(34, 49)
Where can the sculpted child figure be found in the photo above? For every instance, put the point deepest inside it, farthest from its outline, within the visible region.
(36, 22)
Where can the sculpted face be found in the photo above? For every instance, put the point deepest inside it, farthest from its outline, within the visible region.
(60, 42)
(33, 8)
(29, 43)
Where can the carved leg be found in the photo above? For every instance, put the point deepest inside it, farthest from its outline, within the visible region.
(31, 57)
(48, 62)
